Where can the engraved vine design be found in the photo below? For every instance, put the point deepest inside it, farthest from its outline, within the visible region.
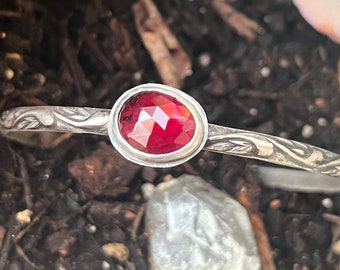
(63, 119)
(273, 149)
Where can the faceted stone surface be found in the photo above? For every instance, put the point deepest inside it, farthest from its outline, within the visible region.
(156, 123)
(192, 225)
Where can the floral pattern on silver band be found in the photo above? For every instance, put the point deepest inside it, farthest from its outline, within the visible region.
(55, 119)
(272, 149)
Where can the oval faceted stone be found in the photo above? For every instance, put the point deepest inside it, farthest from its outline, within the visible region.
(156, 123)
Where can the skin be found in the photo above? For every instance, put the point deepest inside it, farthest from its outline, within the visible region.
(323, 15)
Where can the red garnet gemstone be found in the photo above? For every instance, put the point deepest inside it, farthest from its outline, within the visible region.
(156, 123)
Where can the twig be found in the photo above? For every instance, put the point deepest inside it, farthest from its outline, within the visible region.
(331, 218)
(257, 94)
(136, 222)
(171, 60)
(10, 14)
(25, 181)
(79, 78)
(335, 220)
(32, 100)
(21, 234)
(246, 198)
(4, 101)
(22, 254)
(92, 44)
(12, 237)
(244, 26)
(7, 244)
(13, 227)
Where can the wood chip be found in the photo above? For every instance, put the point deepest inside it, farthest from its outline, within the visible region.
(243, 25)
(172, 62)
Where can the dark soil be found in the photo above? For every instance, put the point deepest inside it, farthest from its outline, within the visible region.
(87, 53)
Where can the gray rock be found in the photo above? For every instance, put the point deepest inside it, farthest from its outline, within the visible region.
(192, 225)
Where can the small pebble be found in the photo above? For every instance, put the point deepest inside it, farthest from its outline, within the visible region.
(320, 102)
(261, 63)
(108, 13)
(327, 203)
(268, 19)
(274, 204)
(167, 177)
(9, 73)
(304, 267)
(284, 134)
(147, 190)
(311, 108)
(137, 76)
(40, 78)
(189, 72)
(128, 215)
(261, 30)
(46, 176)
(90, 228)
(283, 63)
(336, 122)
(203, 10)
(265, 72)
(204, 59)
(24, 216)
(322, 122)
(253, 111)
(116, 250)
(201, 162)
(137, 197)
(307, 131)
(13, 56)
(106, 265)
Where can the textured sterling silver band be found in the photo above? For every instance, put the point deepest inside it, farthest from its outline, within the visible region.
(220, 139)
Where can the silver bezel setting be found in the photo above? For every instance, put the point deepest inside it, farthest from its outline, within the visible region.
(159, 160)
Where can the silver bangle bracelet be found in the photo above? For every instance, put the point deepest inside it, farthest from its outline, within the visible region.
(160, 126)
